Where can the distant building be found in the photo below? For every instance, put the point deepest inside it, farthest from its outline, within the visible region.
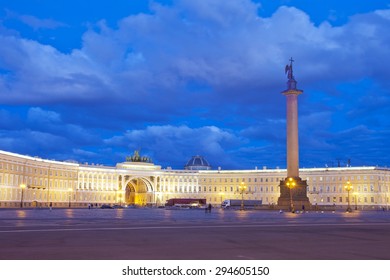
(144, 183)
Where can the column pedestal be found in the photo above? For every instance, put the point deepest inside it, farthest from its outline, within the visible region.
(297, 196)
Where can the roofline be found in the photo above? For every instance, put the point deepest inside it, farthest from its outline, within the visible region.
(38, 159)
(322, 169)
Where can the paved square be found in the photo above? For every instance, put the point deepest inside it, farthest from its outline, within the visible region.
(121, 234)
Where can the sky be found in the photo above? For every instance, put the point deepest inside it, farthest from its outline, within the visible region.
(92, 81)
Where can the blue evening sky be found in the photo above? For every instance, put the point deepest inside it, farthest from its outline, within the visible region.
(92, 81)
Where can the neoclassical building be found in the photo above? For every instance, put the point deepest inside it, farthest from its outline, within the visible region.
(34, 182)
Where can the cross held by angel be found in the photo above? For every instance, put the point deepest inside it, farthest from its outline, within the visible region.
(289, 70)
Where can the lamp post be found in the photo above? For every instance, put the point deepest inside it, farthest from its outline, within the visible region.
(22, 186)
(242, 189)
(70, 194)
(221, 194)
(355, 194)
(291, 184)
(348, 187)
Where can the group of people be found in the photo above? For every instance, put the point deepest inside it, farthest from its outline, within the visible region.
(90, 205)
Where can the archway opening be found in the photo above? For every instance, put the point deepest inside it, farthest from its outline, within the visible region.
(137, 192)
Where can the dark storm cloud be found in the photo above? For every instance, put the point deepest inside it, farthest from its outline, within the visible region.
(191, 77)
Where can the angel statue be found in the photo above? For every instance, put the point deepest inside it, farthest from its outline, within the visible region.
(289, 70)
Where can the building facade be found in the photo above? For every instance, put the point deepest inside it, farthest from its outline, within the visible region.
(34, 182)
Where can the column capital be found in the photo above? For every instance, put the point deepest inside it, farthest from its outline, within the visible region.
(292, 92)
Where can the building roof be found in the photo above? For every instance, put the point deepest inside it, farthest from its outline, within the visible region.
(197, 163)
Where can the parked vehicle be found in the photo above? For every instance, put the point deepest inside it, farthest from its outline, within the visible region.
(236, 203)
(105, 206)
(186, 202)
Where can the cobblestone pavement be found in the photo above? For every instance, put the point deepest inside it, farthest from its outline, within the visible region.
(146, 233)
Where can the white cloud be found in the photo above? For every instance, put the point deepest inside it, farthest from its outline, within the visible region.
(35, 22)
(158, 65)
(37, 115)
(225, 45)
(178, 142)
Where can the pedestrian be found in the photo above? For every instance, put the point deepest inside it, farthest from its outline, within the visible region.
(303, 208)
(89, 205)
(209, 207)
(50, 205)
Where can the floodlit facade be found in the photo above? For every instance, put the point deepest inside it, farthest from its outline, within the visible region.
(34, 182)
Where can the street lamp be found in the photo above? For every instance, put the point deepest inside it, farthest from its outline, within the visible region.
(22, 186)
(70, 194)
(221, 194)
(355, 194)
(348, 187)
(242, 189)
(291, 184)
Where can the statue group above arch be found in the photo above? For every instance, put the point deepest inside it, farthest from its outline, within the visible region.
(137, 158)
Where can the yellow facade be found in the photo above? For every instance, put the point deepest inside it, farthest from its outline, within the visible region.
(67, 184)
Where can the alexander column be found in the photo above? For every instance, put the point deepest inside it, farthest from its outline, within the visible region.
(293, 190)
